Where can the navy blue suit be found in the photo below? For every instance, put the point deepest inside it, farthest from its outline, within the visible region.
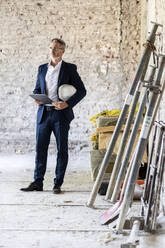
(57, 121)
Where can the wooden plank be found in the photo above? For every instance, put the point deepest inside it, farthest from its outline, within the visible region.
(105, 137)
(108, 129)
(111, 129)
(105, 129)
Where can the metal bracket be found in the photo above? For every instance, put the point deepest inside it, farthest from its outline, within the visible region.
(151, 87)
(157, 23)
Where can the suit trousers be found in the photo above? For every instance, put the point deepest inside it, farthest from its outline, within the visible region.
(51, 121)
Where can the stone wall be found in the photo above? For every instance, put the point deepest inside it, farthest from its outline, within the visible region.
(102, 38)
(130, 47)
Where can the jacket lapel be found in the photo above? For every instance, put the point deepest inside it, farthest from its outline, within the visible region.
(61, 73)
(43, 73)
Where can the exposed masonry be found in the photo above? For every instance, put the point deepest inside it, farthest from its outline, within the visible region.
(130, 36)
(106, 58)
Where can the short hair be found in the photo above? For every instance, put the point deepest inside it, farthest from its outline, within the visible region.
(61, 42)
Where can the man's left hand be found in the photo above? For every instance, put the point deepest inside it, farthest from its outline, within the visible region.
(60, 105)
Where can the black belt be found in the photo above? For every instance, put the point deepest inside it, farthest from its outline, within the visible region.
(49, 108)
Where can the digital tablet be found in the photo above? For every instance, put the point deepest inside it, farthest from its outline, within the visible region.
(42, 98)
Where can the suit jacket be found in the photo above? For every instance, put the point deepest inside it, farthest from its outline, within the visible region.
(68, 75)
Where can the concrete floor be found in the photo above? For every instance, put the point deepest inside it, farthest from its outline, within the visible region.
(42, 219)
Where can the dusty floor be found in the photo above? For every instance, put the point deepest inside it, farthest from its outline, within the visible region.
(45, 220)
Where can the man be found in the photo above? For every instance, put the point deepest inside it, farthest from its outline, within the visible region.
(55, 117)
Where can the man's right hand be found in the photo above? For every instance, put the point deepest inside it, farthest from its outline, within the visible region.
(38, 102)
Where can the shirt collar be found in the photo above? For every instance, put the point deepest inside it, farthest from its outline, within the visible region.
(57, 66)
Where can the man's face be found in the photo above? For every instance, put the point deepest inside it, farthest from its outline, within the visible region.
(56, 50)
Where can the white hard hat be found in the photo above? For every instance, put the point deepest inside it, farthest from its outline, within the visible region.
(65, 91)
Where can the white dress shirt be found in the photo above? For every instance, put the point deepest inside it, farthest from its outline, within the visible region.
(52, 81)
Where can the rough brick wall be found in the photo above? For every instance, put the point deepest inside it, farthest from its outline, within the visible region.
(130, 36)
(92, 31)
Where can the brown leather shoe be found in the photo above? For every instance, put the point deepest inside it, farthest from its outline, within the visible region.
(33, 187)
(56, 189)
